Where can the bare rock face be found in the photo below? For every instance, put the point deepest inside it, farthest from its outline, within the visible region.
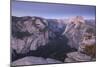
(28, 33)
(29, 61)
(50, 61)
(74, 29)
(34, 60)
(88, 43)
(69, 60)
(77, 56)
(35, 38)
(81, 36)
(88, 38)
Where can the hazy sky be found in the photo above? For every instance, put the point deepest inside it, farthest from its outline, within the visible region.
(47, 10)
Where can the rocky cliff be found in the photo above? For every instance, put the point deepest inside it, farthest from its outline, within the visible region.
(59, 40)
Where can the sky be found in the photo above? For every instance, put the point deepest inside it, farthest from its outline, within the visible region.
(51, 10)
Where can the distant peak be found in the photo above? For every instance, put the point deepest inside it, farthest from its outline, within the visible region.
(77, 19)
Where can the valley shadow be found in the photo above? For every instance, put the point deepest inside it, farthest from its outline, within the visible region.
(56, 49)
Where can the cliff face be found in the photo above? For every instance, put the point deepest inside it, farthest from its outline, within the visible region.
(52, 38)
(81, 35)
(26, 35)
(75, 29)
(35, 36)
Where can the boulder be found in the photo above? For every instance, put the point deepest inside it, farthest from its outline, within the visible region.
(68, 60)
(77, 56)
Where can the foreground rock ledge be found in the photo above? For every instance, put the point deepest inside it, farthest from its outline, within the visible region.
(34, 60)
(77, 56)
